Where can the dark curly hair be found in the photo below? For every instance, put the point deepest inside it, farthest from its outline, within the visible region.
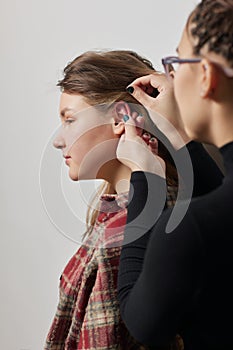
(211, 25)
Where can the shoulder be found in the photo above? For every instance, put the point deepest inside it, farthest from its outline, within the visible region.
(178, 231)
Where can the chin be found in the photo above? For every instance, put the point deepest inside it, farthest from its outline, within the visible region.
(73, 175)
(78, 175)
(74, 178)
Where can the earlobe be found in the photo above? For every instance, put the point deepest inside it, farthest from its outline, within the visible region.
(118, 128)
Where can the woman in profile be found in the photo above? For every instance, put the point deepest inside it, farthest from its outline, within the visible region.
(92, 105)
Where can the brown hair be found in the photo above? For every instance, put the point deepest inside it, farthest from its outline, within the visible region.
(211, 25)
(102, 77)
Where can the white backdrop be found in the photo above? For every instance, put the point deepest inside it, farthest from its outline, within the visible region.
(38, 38)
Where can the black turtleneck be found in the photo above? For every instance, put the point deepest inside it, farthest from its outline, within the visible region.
(181, 282)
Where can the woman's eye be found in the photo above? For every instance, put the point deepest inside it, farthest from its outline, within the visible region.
(69, 121)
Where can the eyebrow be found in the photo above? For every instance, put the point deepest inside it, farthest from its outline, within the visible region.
(66, 109)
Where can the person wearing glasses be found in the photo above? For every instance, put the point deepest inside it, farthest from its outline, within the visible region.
(180, 280)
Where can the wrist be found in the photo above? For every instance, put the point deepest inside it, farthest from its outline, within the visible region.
(181, 141)
(154, 169)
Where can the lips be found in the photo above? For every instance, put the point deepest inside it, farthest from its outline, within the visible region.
(67, 159)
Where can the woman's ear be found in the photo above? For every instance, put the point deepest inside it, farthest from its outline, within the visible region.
(120, 109)
(208, 79)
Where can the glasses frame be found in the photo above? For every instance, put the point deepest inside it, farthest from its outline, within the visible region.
(168, 61)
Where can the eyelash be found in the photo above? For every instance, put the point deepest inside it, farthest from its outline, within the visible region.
(69, 121)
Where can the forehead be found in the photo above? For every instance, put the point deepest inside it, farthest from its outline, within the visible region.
(185, 47)
(73, 102)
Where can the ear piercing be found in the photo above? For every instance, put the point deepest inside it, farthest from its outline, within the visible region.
(125, 118)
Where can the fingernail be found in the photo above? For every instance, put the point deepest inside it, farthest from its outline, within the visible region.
(153, 140)
(125, 118)
(130, 89)
(147, 135)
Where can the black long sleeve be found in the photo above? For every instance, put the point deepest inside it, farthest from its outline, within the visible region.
(202, 165)
(148, 188)
(164, 289)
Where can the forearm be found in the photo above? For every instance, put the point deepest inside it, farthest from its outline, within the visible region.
(153, 298)
(146, 191)
(147, 199)
(147, 196)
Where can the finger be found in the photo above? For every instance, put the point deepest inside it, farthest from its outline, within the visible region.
(152, 80)
(134, 115)
(154, 145)
(146, 137)
(138, 92)
(122, 138)
(145, 89)
(143, 82)
(140, 121)
(130, 127)
(139, 125)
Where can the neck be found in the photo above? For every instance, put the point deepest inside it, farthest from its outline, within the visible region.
(117, 174)
(222, 125)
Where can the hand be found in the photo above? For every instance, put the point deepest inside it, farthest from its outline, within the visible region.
(139, 123)
(163, 109)
(139, 153)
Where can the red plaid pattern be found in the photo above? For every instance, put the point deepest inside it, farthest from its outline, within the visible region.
(88, 315)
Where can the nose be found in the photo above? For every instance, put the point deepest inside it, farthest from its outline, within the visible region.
(59, 142)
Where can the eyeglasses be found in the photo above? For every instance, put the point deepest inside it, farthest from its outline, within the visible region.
(171, 63)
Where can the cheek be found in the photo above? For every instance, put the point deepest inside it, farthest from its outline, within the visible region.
(180, 87)
(184, 88)
(86, 143)
(79, 149)
(187, 97)
(77, 142)
(182, 91)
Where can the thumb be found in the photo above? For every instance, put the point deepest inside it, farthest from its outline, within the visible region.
(130, 127)
(140, 95)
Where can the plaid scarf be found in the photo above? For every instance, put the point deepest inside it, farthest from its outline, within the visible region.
(88, 315)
